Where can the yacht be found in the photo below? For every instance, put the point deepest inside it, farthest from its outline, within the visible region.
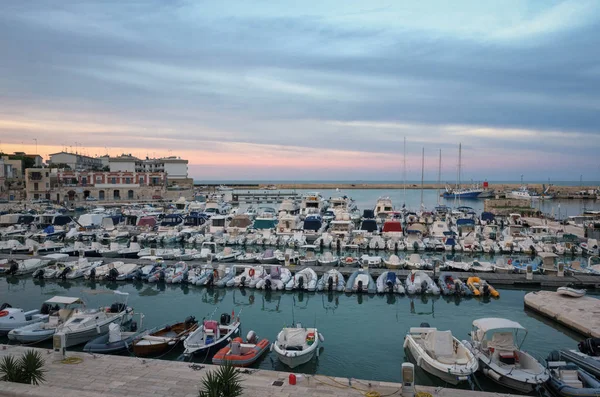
(312, 203)
(383, 208)
(218, 224)
(289, 207)
(313, 227)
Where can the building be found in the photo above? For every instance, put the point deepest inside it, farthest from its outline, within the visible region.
(75, 161)
(72, 186)
(12, 168)
(38, 161)
(176, 168)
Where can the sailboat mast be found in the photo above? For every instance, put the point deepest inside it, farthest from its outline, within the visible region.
(404, 170)
(459, 162)
(439, 177)
(422, 174)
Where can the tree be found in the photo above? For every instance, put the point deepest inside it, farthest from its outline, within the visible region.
(29, 368)
(60, 166)
(223, 382)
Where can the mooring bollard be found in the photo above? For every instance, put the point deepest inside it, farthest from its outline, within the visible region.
(529, 272)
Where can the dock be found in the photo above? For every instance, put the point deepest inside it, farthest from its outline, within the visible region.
(513, 280)
(579, 314)
(104, 375)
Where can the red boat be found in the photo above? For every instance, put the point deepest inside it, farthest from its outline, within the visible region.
(240, 354)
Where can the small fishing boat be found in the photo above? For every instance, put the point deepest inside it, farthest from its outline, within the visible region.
(249, 277)
(393, 262)
(481, 267)
(452, 286)
(569, 380)
(305, 279)
(227, 255)
(12, 317)
(310, 257)
(211, 334)
(501, 359)
(115, 341)
(361, 281)
(331, 280)
(248, 257)
(81, 267)
(587, 358)
(297, 346)
(179, 273)
(371, 261)
(480, 287)
(502, 267)
(240, 354)
(419, 282)
(571, 292)
(268, 257)
(389, 282)
(441, 354)
(24, 267)
(164, 338)
(276, 280)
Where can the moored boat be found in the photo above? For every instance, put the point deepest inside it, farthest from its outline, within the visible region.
(480, 287)
(164, 338)
(569, 380)
(570, 292)
(297, 346)
(211, 334)
(240, 354)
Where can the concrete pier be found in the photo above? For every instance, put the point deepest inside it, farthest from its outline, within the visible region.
(579, 314)
(100, 375)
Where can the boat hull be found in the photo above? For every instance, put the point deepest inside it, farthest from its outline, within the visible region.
(242, 360)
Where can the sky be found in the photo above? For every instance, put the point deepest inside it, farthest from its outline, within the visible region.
(309, 90)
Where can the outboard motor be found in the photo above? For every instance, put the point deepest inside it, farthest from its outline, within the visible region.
(161, 276)
(424, 286)
(268, 284)
(251, 337)
(330, 284)
(390, 286)
(117, 307)
(191, 320)
(590, 346)
(112, 274)
(133, 327)
(416, 246)
(359, 287)
(210, 279)
(425, 325)
(39, 273)
(93, 273)
(64, 273)
(45, 309)
(486, 290)
(225, 318)
(243, 282)
(301, 283)
(14, 266)
(5, 306)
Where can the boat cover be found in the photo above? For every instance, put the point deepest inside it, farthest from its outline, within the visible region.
(391, 277)
(439, 343)
(502, 341)
(275, 273)
(293, 337)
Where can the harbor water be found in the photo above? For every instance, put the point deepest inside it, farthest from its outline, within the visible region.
(411, 198)
(364, 334)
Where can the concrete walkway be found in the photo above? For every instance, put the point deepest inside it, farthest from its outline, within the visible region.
(132, 377)
(579, 314)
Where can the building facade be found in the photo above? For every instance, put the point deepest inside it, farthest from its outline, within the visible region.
(175, 168)
(77, 162)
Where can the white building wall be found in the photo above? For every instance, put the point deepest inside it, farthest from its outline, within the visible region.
(122, 165)
(176, 170)
(65, 158)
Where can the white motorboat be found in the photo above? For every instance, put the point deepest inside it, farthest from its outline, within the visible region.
(44, 330)
(361, 281)
(328, 259)
(371, 261)
(211, 334)
(276, 280)
(26, 266)
(389, 282)
(457, 266)
(331, 280)
(310, 257)
(82, 266)
(482, 267)
(12, 317)
(268, 257)
(414, 262)
(250, 276)
(493, 342)
(227, 255)
(305, 279)
(248, 257)
(418, 282)
(441, 354)
(297, 346)
(179, 273)
(85, 325)
(571, 292)
(502, 267)
(393, 262)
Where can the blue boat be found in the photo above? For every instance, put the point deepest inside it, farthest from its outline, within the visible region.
(471, 193)
(570, 379)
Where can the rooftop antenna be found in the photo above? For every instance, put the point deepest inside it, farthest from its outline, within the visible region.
(404, 171)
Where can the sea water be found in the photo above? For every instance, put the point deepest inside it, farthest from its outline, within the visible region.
(364, 334)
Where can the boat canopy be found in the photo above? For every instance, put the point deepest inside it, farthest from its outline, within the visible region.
(491, 323)
(392, 226)
(369, 225)
(368, 214)
(465, 222)
(64, 300)
(487, 216)
(312, 223)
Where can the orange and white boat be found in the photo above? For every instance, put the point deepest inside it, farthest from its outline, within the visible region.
(240, 354)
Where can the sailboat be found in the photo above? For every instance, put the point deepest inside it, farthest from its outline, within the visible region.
(458, 192)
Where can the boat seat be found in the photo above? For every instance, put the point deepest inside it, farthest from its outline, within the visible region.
(235, 348)
(570, 377)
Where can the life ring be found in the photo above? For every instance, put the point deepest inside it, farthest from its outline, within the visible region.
(510, 261)
(251, 272)
(349, 260)
(281, 229)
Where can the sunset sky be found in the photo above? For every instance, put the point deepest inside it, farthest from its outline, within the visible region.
(309, 90)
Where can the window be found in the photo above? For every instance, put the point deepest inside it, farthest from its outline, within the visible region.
(141, 180)
(46, 175)
(47, 185)
(127, 180)
(35, 186)
(98, 179)
(113, 180)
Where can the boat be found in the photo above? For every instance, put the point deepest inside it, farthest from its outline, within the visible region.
(81, 267)
(227, 255)
(115, 341)
(309, 258)
(86, 324)
(480, 287)
(248, 278)
(588, 362)
(501, 359)
(371, 261)
(389, 281)
(248, 257)
(24, 267)
(179, 273)
(276, 280)
(211, 334)
(328, 259)
(164, 338)
(419, 282)
(570, 292)
(297, 346)
(331, 280)
(569, 380)
(305, 279)
(393, 262)
(240, 354)
(481, 267)
(452, 286)
(441, 354)
(361, 281)
(268, 257)
(44, 330)
(12, 317)
(502, 267)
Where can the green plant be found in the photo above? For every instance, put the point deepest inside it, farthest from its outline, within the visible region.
(223, 382)
(29, 368)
